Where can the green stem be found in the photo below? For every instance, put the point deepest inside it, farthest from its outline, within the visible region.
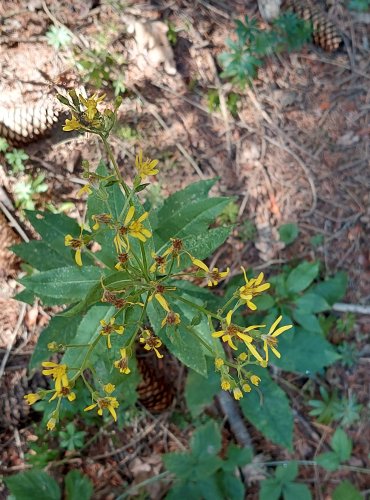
(139, 322)
(87, 355)
(115, 166)
(196, 306)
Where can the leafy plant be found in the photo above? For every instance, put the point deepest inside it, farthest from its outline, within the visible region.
(37, 484)
(201, 473)
(324, 409)
(71, 439)
(332, 408)
(288, 233)
(346, 491)
(171, 33)
(247, 231)
(58, 37)
(341, 445)
(27, 191)
(283, 485)
(346, 323)
(246, 54)
(349, 354)
(41, 454)
(16, 159)
(229, 214)
(3, 145)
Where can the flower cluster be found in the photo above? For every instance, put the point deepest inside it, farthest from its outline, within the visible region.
(140, 276)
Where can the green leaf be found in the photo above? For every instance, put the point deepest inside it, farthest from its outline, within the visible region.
(332, 289)
(180, 464)
(200, 391)
(288, 233)
(302, 276)
(78, 486)
(342, 445)
(68, 284)
(237, 457)
(33, 485)
(206, 440)
(264, 302)
(232, 487)
(304, 352)
(296, 491)
(346, 491)
(86, 333)
(60, 330)
(308, 321)
(270, 489)
(287, 472)
(312, 303)
(203, 245)
(274, 417)
(329, 461)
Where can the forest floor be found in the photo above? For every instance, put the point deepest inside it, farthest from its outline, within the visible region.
(294, 149)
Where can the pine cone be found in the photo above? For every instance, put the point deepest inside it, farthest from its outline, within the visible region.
(26, 123)
(157, 389)
(325, 34)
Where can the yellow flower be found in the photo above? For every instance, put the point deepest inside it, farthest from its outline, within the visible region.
(213, 276)
(172, 319)
(151, 342)
(225, 385)
(91, 106)
(72, 124)
(51, 424)
(32, 398)
(134, 228)
(64, 392)
(86, 189)
(58, 372)
(159, 263)
(237, 393)
(76, 244)
(235, 332)
(247, 387)
(270, 340)
(123, 259)
(252, 288)
(108, 403)
(122, 363)
(243, 356)
(100, 219)
(146, 167)
(109, 328)
(255, 380)
(109, 388)
(175, 249)
(218, 363)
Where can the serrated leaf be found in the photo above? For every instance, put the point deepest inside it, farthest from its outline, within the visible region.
(287, 472)
(206, 441)
(33, 485)
(342, 445)
(60, 330)
(332, 289)
(274, 417)
(69, 284)
(203, 245)
(270, 489)
(200, 391)
(302, 276)
(304, 352)
(329, 461)
(295, 491)
(288, 233)
(237, 457)
(346, 491)
(180, 464)
(312, 303)
(308, 321)
(78, 486)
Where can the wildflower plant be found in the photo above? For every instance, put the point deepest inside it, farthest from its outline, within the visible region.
(125, 274)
